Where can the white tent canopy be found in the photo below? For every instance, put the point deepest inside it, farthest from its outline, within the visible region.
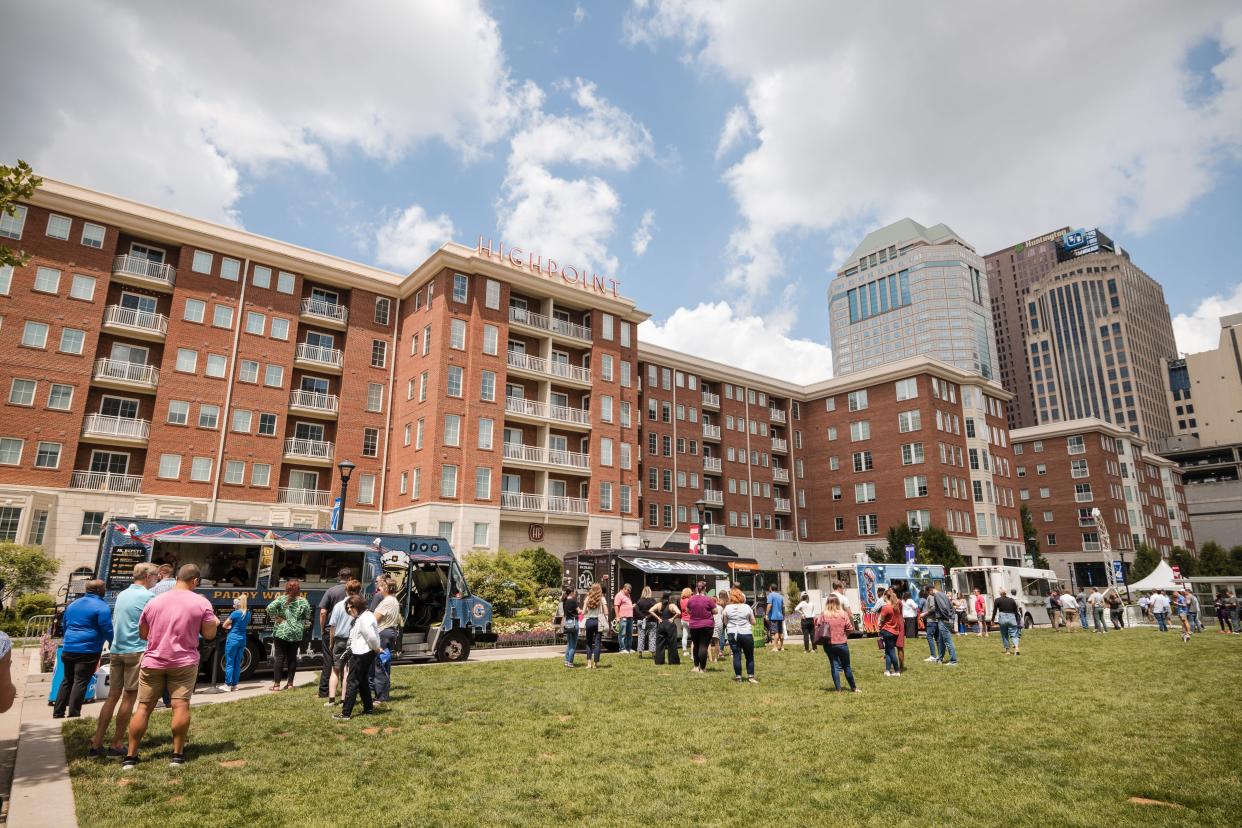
(1160, 578)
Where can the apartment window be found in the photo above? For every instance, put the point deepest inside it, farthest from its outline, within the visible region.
(280, 328)
(34, 335)
(911, 453)
(1075, 444)
(379, 353)
(487, 386)
(370, 442)
(486, 429)
(857, 400)
(1082, 493)
(47, 456)
(491, 335)
(200, 469)
(418, 434)
(416, 484)
(605, 496)
(22, 392)
(383, 308)
(448, 481)
(422, 386)
(260, 474)
(47, 280)
(1045, 492)
(255, 323)
(230, 270)
(606, 322)
(1041, 469)
(1038, 446)
(605, 451)
(868, 524)
(457, 334)
(208, 416)
(366, 489)
(907, 389)
(625, 499)
(1078, 468)
(453, 387)
(11, 225)
(222, 316)
(285, 283)
(445, 527)
(1047, 517)
(201, 262)
(452, 429)
(234, 472)
(242, 419)
(918, 519)
(491, 298)
(426, 340)
(862, 461)
(916, 486)
(461, 287)
(375, 396)
(832, 432)
(170, 466)
(605, 408)
(909, 421)
(82, 287)
(1050, 539)
(92, 524)
(626, 456)
(72, 340)
(834, 463)
(6, 277)
(860, 430)
(195, 310)
(274, 375)
(864, 492)
(60, 397)
(625, 339)
(216, 365)
(187, 360)
(267, 425)
(93, 235)
(178, 412)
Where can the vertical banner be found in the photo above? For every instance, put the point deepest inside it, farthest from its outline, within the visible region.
(909, 553)
(695, 538)
(335, 521)
(1119, 573)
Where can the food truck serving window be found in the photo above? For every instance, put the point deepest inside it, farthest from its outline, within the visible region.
(316, 564)
(222, 561)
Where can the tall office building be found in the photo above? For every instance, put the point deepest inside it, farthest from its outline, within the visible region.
(1011, 272)
(910, 290)
(1097, 338)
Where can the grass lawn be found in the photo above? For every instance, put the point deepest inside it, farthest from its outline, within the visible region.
(1064, 735)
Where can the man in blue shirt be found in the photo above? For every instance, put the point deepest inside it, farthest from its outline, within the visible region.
(127, 650)
(776, 618)
(88, 626)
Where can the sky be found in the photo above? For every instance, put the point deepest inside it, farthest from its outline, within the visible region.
(720, 158)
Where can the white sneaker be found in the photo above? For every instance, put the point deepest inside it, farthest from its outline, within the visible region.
(223, 688)
(887, 673)
(930, 659)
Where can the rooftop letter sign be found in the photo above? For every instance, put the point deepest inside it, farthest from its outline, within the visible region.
(549, 268)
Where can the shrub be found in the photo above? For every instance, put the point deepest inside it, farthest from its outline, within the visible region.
(35, 603)
(505, 579)
(545, 567)
(24, 569)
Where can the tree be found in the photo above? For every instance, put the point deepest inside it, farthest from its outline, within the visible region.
(1213, 560)
(1032, 541)
(1235, 561)
(898, 537)
(1185, 561)
(16, 184)
(545, 567)
(936, 547)
(24, 569)
(506, 579)
(1146, 559)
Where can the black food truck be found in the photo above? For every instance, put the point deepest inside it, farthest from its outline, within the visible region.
(442, 618)
(660, 569)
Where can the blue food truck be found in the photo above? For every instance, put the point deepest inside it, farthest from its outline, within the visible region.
(442, 619)
(865, 582)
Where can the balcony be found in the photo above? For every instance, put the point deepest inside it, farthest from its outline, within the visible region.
(711, 432)
(781, 504)
(784, 534)
(538, 365)
(128, 376)
(140, 271)
(309, 451)
(523, 502)
(714, 531)
(316, 405)
(711, 464)
(559, 327)
(776, 415)
(542, 411)
(715, 497)
(780, 475)
(325, 312)
(135, 323)
(711, 400)
(538, 455)
(780, 444)
(105, 482)
(303, 497)
(105, 428)
(318, 358)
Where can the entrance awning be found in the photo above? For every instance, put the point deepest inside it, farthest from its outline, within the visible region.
(749, 566)
(656, 566)
(331, 546)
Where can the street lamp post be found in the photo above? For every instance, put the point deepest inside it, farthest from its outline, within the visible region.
(701, 505)
(347, 470)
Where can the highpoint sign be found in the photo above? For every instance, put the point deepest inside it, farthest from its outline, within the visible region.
(549, 268)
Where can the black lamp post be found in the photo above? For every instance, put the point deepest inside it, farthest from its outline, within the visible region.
(704, 522)
(347, 470)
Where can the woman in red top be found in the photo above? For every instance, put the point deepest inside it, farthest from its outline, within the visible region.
(981, 612)
(891, 630)
(701, 617)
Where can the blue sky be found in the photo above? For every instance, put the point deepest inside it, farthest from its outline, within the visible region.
(760, 141)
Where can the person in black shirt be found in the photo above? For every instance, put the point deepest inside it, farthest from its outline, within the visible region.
(1005, 609)
(645, 623)
(292, 569)
(569, 623)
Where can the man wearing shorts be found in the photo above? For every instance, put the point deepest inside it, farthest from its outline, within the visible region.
(127, 650)
(171, 624)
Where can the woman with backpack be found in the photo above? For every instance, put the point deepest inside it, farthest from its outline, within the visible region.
(595, 619)
(832, 629)
(569, 623)
(665, 614)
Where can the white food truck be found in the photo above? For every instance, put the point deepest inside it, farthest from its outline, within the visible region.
(1033, 586)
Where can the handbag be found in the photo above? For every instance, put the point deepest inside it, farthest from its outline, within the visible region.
(821, 634)
(569, 624)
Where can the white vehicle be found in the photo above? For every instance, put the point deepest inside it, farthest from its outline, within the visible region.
(1033, 586)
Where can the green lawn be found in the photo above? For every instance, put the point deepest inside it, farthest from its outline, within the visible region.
(1063, 735)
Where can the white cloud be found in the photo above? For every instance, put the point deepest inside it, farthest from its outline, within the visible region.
(1199, 330)
(579, 14)
(172, 103)
(1001, 120)
(408, 238)
(737, 126)
(642, 235)
(716, 331)
(570, 219)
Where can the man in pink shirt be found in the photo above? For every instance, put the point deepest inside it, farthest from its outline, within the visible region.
(625, 616)
(171, 624)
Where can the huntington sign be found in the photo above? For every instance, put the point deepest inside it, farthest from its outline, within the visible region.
(548, 268)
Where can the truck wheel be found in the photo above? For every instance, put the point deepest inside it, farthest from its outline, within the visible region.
(453, 646)
(249, 660)
(1028, 622)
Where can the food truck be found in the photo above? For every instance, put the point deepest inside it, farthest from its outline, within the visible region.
(1033, 586)
(660, 569)
(865, 582)
(442, 619)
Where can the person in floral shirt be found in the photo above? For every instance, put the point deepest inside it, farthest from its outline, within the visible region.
(289, 614)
